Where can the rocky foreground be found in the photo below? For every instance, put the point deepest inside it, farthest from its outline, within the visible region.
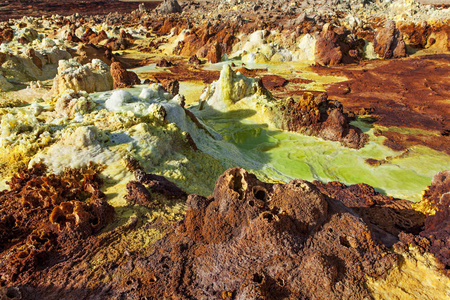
(248, 240)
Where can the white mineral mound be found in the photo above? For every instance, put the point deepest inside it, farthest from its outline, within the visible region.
(91, 77)
(231, 88)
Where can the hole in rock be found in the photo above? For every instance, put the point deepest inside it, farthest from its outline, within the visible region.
(275, 210)
(129, 282)
(23, 254)
(13, 293)
(344, 242)
(268, 216)
(251, 203)
(94, 222)
(281, 282)
(153, 279)
(258, 278)
(260, 194)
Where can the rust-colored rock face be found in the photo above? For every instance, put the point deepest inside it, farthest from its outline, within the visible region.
(437, 226)
(214, 53)
(8, 34)
(248, 240)
(387, 217)
(328, 51)
(318, 116)
(171, 86)
(252, 240)
(123, 78)
(388, 42)
(43, 217)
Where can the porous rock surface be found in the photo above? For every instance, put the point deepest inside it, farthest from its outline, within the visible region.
(248, 240)
(44, 217)
(318, 116)
(252, 240)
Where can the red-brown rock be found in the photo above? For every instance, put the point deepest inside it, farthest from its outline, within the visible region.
(8, 34)
(328, 50)
(318, 116)
(388, 42)
(215, 53)
(123, 78)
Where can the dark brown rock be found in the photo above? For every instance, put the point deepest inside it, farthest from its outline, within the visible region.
(214, 53)
(171, 86)
(8, 34)
(22, 40)
(328, 50)
(36, 60)
(159, 184)
(71, 37)
(318, 116)
(164, 63)
(388, 42)
(123, 78)
(386, 216)
(266, 241)
(194, 60)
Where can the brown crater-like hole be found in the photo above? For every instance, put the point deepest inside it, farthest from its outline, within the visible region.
(153, 279)
(260, 193)
(257, 278)
(251, 203)
(23, 254)
(268, 216)
(13, 293)
(344, 242)
(275, 210)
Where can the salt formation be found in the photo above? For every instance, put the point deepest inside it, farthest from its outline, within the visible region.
(232, 87)
(91, 77)
(71, 103)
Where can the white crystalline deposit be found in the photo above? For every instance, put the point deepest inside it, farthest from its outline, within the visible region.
(275, 47)
(121, 101)
(91, 77)
(231, 88)
(77, 148)
(306, 48)
(16, 122)
(71, 103)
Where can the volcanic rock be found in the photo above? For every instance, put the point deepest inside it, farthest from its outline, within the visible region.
(163, 63)
(318, 116)
(214, 53)
(328, 51)
(169, 7)
(171, 86)
(123, 78)
(388, 42)
(268, 241)
(8, 34)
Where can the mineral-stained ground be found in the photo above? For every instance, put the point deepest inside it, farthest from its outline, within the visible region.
(224, 149)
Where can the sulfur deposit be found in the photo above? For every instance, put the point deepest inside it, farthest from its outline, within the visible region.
(224, 149)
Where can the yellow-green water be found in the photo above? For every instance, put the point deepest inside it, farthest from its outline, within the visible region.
(286, 155)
